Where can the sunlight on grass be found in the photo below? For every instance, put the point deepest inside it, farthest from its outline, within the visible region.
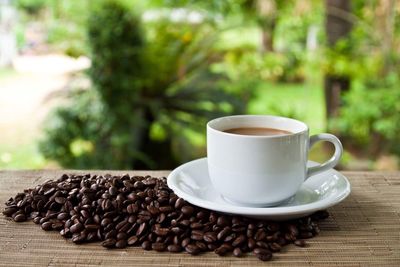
(25, 156)
(300, 101)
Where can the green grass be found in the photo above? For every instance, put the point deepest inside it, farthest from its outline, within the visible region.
(24, 156)
(304, 102)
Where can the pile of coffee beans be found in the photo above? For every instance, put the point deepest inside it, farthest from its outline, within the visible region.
(142, 211)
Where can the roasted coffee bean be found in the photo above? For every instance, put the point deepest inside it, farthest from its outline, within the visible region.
(251, 243)
(260, 235)
(158, 246)
(146, 245)
(110, 234)
(122, 235)
(8, 211)
(132, 208)
(37, 220)
(179, 203)
(57, 225)
(239, 240)
(196, 225)
(47, 226)
(237, 252)
(305, 235)
(201, 245)
(223, 221)
(224, 232)
(187, 210)
(197, 236)
(109, 243)
(121, 243)
(192, 249)
(185, 242)
(162, 231)
(20, 218)
(210, 237)
(230, 238)
(77, 227)
(262, 244)
(132, 240)
(174, 248)
(62, 216)
(176, 230)
(223, 249)
(60, 200)
(300, 243)
(275, 247)
(212, 246)
(263, 254)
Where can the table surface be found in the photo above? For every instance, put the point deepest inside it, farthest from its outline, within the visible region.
(363, 230)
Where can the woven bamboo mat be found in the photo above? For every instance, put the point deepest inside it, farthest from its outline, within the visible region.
(364, 230)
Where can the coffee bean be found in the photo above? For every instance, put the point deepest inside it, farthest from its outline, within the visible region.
(60, 200)
(37, 220)
(230, 238)
(210, 237)
(109, 243)
(141, 229)
(223, 221)
(132, 208)
(223, 249)
(300, 243)
(161, 231)
(179, 203)
(122, 235)
(197, 236)
(196, 225)
(146, 245)
(212, 246)
(57, 225)
(158, 246)
(192, 249)
(20, 218)
(62, 216)
(185, 242)
(224, 232)
(262, 244)
(201, 245)
(187, 210)
(239, 240)
(275, 247)
(47, 226)
(121, 243)
(260, 235)
(251, 243)
(263, 254)
(8, 211)
(237, 252)
(76, 228)
(174, 248)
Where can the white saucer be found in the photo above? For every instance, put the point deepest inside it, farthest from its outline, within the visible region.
(191, 182)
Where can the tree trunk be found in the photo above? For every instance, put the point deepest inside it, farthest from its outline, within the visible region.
(266, 10)
(336, 27)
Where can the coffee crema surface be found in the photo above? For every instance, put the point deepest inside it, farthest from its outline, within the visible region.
(260, 131)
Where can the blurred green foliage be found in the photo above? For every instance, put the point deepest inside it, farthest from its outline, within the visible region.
(156, 82)
(152, 88)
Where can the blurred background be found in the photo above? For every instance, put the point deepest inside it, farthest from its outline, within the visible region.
(120, 84)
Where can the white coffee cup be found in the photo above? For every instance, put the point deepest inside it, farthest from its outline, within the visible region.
(261, 170)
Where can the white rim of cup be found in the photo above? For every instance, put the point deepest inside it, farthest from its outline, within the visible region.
(209, 126)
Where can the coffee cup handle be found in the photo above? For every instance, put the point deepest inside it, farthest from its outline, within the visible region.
(333, 161)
